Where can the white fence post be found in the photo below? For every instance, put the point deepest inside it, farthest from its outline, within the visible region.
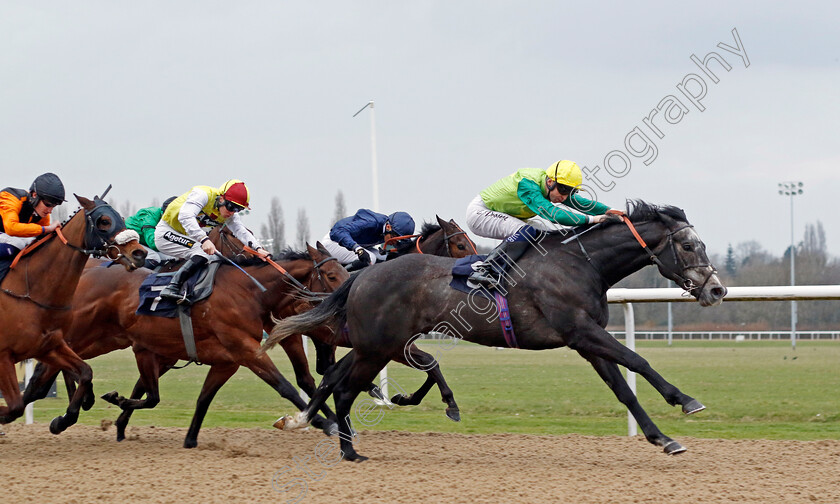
(29, 411)
(630, 342)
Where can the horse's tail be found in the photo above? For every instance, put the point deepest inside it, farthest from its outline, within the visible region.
(332, 311)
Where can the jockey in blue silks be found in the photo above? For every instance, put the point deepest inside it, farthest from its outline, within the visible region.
(354, 240)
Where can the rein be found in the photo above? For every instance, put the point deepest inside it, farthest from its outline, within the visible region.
(316, 266)
(33, 246)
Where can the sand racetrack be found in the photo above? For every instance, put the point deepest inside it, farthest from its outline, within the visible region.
(85, 465)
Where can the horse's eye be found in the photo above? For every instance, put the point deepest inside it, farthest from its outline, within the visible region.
(103, 223)
(687, 246)
(461, 247)
(331, 278)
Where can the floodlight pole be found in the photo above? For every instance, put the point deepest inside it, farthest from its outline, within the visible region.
(383, 375)
(372, 153)
(792, 189)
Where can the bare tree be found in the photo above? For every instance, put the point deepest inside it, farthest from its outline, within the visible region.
(125, 208)
(274, 233)
(340, 208)
(302, 229)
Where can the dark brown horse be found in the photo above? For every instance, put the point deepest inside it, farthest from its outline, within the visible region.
(558, 298)
(446, 239)
(36, 297)
(228, 326)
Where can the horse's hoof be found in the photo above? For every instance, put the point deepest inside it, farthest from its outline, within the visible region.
(88, 401)
(56, 426)
(693, 406)
(453, 414)
(331, 429)
(111, 397)
(190, 443)
(400, 400)
(281, 422)
(120, 436)
(673, 448)
(354, 457)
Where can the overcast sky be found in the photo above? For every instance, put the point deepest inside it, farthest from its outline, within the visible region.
(155, 97)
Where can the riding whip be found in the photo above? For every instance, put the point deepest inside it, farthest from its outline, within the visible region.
(257, 283)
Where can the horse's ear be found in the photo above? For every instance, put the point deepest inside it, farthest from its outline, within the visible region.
(86, 203)
(322, 249)
(442, 223)
(313, 252)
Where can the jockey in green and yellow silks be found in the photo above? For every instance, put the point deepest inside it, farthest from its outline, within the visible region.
(506, 210)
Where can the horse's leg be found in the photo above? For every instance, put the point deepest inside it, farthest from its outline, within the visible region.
(262, 366)
(40, 383)
(149, 366)
(358, 378)
(293, 346)
(122, 421)
(322, 393)
(435, 376)
(216, 377)
(65, 359)
(594, 340)
(609, 372)
(10, 390)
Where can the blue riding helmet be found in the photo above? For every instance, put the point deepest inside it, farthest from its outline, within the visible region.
(401, 223)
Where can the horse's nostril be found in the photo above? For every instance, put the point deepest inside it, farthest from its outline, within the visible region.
(139, 254)
(718, 292)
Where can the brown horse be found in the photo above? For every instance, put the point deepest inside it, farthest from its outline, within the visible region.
(90, 344)
(35, 304)
(227, 326)
(446, 239)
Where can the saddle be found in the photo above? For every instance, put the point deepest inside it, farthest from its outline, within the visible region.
(198, 288)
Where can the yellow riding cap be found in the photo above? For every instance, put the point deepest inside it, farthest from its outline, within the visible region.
(566, 173)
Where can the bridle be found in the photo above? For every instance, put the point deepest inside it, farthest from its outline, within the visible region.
(446, 239)
(678, 276)
(316, 266)
(97, 243)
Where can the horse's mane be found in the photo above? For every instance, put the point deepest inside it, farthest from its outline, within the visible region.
(71, 216)
(639, 211)
(289, 254)
(427, 229)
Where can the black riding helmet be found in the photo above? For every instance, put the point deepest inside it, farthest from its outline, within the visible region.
(47, 187)
(167, 202)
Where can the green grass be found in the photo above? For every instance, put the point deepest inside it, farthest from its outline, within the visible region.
(752, 390)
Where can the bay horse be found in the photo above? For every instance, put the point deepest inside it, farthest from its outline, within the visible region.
(36, 294)
(228, 325)
(93, 344)
(558, 298)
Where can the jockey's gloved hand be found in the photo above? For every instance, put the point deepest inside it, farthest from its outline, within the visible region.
(364, 257)
(356, 265)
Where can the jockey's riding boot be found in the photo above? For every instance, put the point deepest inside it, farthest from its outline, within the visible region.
(173, 290)
(506, 253)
